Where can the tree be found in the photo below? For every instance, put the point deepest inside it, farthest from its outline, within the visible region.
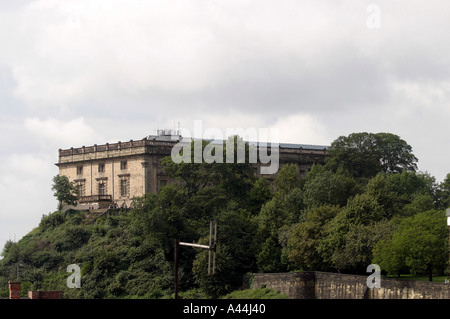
(275, 217)
(357, 252)
(305, 237)
(366, 154)
(395, 154)
(287, 179)
(234, 253)
(362, 210)
(420, 203)
(403, 193)
(385, 193)
(260, 193)
(236, 178)
(64, 191)
(444, 192)
(420, 244)
(328, 188)
(192, 173)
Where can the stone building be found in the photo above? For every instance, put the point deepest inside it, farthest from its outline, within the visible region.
(117, 172)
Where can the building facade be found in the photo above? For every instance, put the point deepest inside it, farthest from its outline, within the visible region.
(117, 172)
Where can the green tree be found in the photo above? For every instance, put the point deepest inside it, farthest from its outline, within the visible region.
(51, 221)
(444, 192)
(269, 257)
(236, 178)
(328, 188)
(360, 240)
(64, 191)
(305, 237)
(287, 179)
(361, 210)
(394, 153)
(260, 194)
(419, 244)
(193, 173)
(366, 154)
(275, 218)
(403, 193)
(218, 284)
(235, 252)
(420, 203)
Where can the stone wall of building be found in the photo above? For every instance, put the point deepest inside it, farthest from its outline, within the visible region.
(322, 285)
(100, 170)
(104, 169)
(110, 173)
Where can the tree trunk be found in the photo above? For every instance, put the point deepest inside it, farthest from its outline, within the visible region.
(430, 273)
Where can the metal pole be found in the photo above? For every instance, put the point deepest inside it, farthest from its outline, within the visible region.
(193, 245)
(209, 252)
(176, 267)
(209, 247)
(447, 213)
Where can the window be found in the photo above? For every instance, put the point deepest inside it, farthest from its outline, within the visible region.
(79, 170)
(81, 188)
(123, 165)
(101, 167)
(124, 186)
(102, 190)
(162, 183)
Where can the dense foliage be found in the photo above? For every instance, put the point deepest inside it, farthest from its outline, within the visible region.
(344, 215)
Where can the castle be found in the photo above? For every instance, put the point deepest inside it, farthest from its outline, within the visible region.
(115, 173)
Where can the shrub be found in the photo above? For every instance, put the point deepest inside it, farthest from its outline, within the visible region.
(51, 221)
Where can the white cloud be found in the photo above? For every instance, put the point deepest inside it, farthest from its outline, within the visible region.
(80, 72)
(77, 48)
(61, 134)
(25, 185)
(27, 167)
(63, 52)
(302, 129)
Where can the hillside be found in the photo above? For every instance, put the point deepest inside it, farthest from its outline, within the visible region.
(336, 218)
(108, 252)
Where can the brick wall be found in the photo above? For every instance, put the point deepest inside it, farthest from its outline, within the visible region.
(44, 294)
(322, 285)
(14, 289)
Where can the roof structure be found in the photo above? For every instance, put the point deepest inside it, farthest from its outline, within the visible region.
(176, 138)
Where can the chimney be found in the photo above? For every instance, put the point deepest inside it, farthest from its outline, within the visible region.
(14, 289)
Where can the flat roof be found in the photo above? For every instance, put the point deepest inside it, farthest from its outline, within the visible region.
(174, 138)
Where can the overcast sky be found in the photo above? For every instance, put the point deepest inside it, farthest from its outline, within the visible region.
(87, 72)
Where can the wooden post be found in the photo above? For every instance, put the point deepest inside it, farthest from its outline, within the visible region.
(214, 248)
(209, 247)
(177, 243)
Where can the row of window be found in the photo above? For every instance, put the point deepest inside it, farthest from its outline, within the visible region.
(102, 187)
(101, 167)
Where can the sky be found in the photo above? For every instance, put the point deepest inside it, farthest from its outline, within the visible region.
(86, 72)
